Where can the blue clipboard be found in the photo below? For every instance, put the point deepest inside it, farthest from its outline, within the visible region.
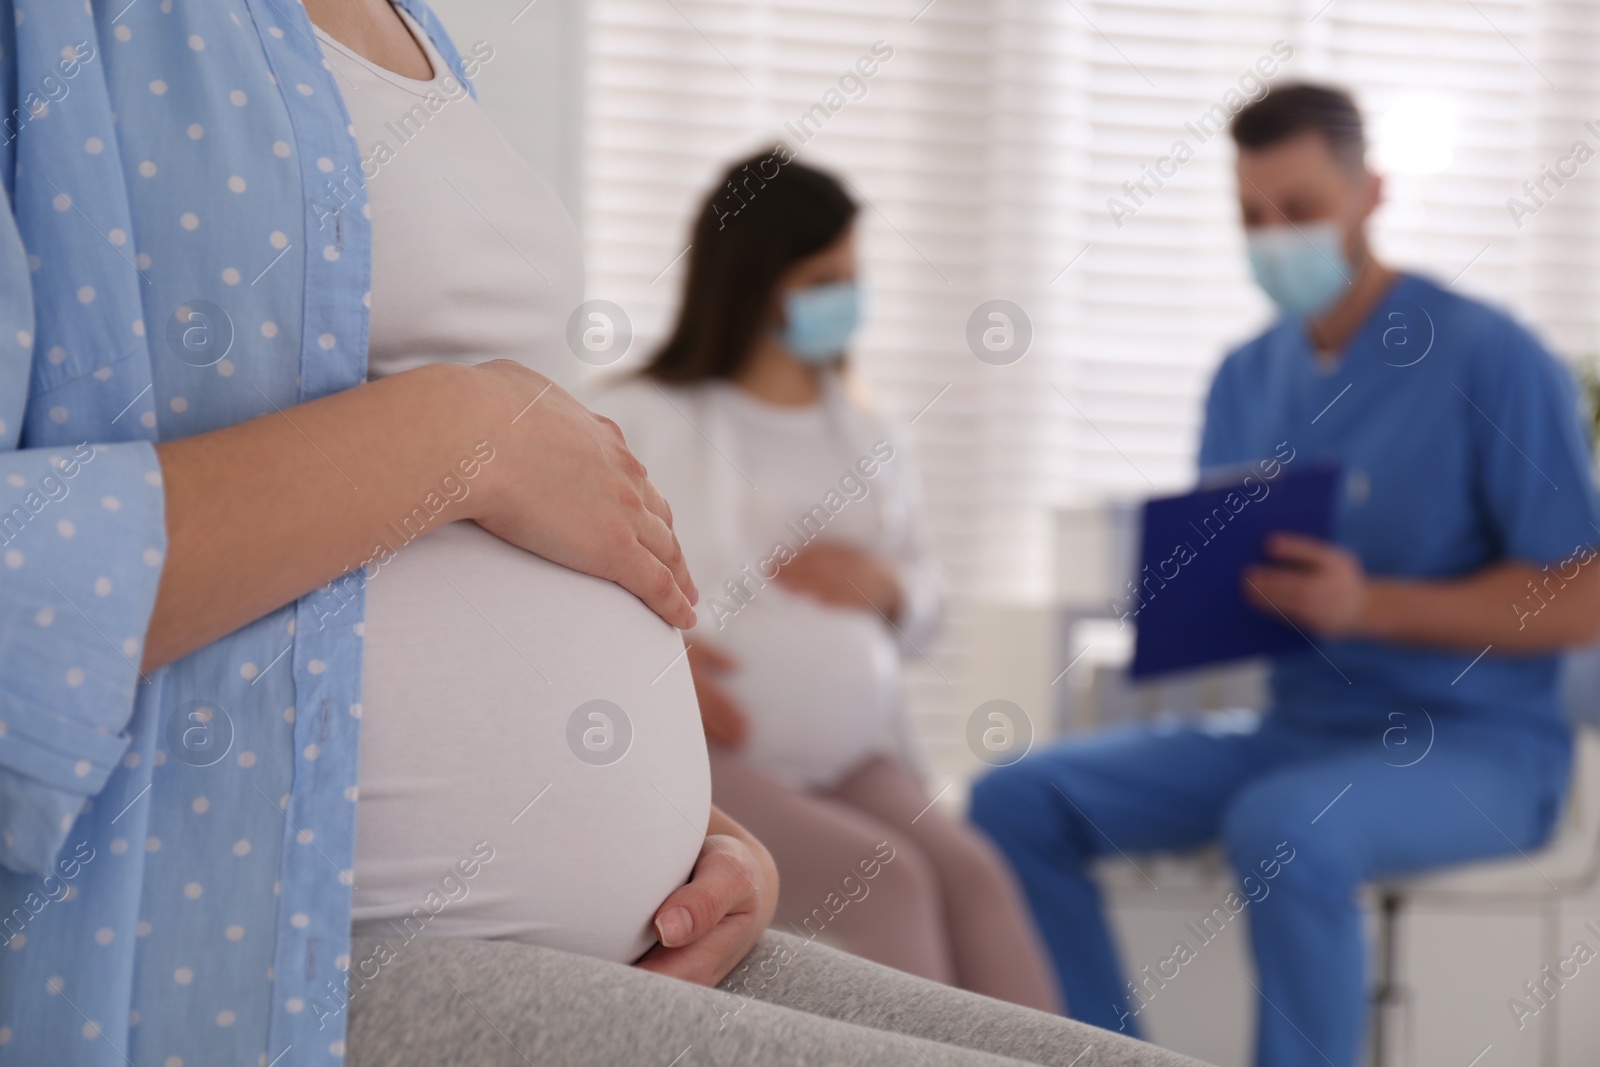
(1188, 605)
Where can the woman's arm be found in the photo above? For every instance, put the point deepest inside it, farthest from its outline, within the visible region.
(845, 576)
(900, 581)
(267, 510)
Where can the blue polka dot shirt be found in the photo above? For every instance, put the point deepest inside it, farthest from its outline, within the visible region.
(185, 246)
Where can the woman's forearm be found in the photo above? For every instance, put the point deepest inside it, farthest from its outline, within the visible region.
(264, 511)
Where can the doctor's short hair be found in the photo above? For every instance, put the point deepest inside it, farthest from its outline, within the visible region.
(1291, 110)
(765, 214)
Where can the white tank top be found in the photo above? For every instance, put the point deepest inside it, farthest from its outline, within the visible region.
(820, 685)
(474, 257)
(506, 700)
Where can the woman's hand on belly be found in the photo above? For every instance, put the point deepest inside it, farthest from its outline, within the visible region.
(573, 493)
(253, 523)
(843, 576)
(707, 926)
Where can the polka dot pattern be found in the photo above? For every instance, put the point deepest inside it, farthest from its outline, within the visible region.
(192, 173)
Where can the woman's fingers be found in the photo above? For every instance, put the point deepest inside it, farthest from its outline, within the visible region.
(705, 654)
(723, 721)
(646, 577)
(570, 491)
(722, 884)
(655, 502)
(655, 527)
(708, 960)
(715, 730)
(656, 535)
(735, 887)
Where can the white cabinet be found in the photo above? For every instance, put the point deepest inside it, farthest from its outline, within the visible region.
(1208, 1010)
(1576, 1026)
(1457, 967)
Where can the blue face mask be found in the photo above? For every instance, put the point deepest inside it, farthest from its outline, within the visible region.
(1304, 269)
(818, 321)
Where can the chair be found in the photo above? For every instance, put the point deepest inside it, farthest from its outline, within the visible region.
(1567, 866)
(1565, 869)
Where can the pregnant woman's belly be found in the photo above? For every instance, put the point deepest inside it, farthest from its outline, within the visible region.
(820, 686)
(515, 707)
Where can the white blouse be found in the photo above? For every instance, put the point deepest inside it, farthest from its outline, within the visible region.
(821, 685)
(507, 701)
(474, 257)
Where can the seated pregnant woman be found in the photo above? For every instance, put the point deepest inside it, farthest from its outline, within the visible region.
(794, 505)
(181, 706)
(560, 721)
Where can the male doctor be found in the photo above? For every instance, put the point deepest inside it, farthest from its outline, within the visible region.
(1420, 725)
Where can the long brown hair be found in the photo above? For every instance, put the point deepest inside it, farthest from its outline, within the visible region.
(768, 213)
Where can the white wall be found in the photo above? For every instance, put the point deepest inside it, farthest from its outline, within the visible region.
(533, 86)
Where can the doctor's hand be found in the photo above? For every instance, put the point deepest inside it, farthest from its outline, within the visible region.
(707, 926)
(720, 714)
(1317, 585)
(563, 485)
(843, 576)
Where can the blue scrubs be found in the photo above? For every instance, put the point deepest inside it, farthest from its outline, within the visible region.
(1461, 445)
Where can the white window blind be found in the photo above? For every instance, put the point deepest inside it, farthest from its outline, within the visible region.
(984, 154)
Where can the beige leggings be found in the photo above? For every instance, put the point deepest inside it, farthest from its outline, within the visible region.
(944, 907)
